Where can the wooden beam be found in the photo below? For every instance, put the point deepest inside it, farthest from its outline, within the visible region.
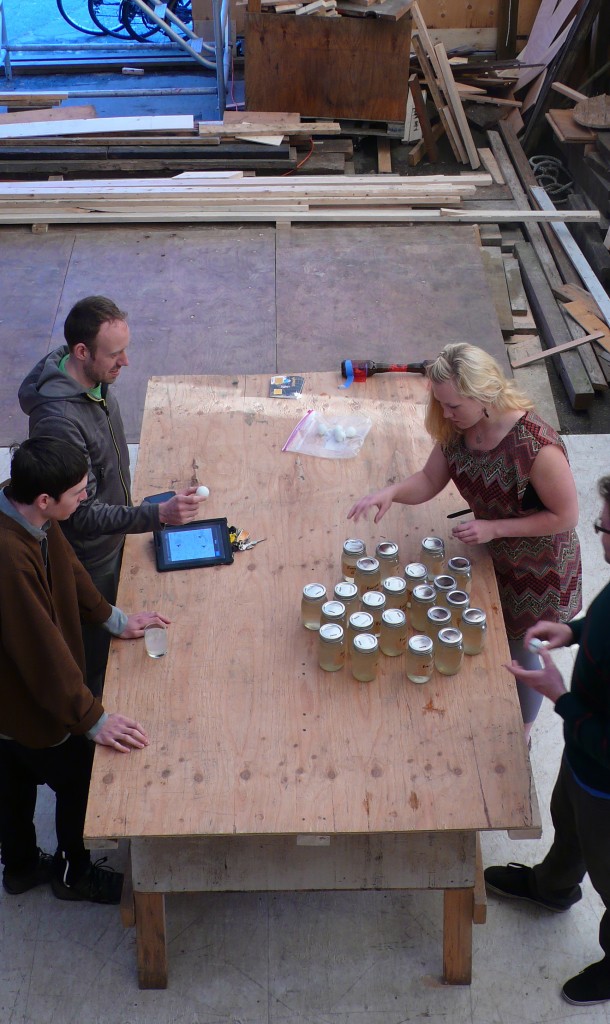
(553, 328)
(455, 104)
(443, 110)
(99, 125)
(424, 121)
(576, 256)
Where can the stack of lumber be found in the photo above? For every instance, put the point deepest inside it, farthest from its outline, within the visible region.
(320, 8)
(42, 142)
(197, 199)
(439, 79)
(548, 261)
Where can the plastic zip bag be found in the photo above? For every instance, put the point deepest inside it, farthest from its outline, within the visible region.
(328, 437)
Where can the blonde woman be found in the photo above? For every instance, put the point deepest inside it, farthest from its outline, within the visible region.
(512, 470)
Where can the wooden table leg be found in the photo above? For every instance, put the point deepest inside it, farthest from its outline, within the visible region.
(457, 936)
(151, 939)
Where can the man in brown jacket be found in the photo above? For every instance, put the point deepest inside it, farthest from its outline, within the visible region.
(48, 716)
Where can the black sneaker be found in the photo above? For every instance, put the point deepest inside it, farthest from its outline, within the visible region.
(590, 986)
(16, 882)
(97, 885)
(516, 882)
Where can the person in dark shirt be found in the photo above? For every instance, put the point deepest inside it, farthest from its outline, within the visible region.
(580, 804)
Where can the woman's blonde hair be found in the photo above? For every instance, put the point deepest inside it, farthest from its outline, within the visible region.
(475, 374)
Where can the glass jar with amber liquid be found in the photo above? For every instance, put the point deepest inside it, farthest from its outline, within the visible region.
(333, 611)
(420, 659)
(367, 575)
(386, 554)
(437, 618)
(374, 602)
(358, 622)
(395, 590)
(473, 625)
(461, 570)
(457, 602)
(423, 598)
(449, 651)
(415, 574)
(314, 596)
(443, 586)
(331, 647)
(352, 550)
(393, 633)
(432, 555)
(365, 657)
(347, 594)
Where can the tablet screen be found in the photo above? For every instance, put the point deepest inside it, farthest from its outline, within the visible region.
(193, 546)
(201, 543)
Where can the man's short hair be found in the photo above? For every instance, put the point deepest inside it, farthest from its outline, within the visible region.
(85, 319)
(603, 487)
(45, 465)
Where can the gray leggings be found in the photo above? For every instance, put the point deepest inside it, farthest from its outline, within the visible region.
(529, 700)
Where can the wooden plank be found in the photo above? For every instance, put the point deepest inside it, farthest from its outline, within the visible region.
(455, 103)
(575, 254)
(496, 280)
(98, 125)
(428, 138)
(565, 90)
(444, 112)
(565, 347)
(565, 127)
(516, 292)
(581, 314)
(479, 909)
(52, 114)
(384, 155)
(417, 152)
(533, 232)
(491, 165)
(553, 328)
(151, 940)
(457, 936)
(574, 293)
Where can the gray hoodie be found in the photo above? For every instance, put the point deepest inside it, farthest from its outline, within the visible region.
(58, 406)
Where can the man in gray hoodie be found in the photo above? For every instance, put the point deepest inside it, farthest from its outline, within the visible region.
(68, 396)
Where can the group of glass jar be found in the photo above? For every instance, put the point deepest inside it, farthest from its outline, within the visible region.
(368, 612)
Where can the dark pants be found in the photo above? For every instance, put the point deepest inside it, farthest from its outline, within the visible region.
(66, 769)
(581, 846)
(95, 639)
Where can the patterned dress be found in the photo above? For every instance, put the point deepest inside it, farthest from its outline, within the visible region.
(538, 577)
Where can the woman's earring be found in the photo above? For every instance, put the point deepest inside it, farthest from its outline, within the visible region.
(485, 413)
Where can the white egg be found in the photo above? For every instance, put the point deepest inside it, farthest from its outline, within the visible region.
(350, 432)
(203, 492)
(322, 430)
(339, 434)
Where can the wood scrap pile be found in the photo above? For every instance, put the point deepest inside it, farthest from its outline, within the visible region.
(386, 9)
(560, 31)
(549, 266)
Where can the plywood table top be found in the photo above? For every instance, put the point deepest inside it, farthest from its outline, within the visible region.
(248, 735)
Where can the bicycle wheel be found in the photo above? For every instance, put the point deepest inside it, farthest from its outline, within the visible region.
(140, 26)
(73, 11)
(137, 22)
(106, 14)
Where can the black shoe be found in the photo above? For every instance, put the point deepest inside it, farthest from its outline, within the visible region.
(16, 882)
(97, 884)
(516, 882)
(590, 986)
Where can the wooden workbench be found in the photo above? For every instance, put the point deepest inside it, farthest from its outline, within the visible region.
(263, 771)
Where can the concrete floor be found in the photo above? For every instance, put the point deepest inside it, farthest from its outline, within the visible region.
(338, 958)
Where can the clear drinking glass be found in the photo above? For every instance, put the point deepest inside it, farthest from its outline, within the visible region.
(155, 640)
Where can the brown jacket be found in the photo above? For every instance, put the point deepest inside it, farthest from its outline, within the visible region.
(43, 696)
